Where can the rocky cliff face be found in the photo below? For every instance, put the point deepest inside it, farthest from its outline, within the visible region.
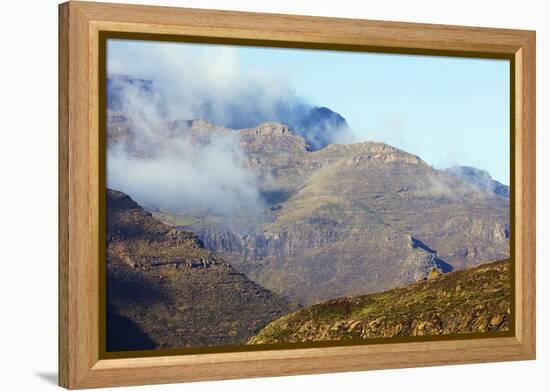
(271, 137)
(467, 301)
(165, 290)
(347, 219)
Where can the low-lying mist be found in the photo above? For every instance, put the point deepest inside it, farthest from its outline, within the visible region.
(175, 173)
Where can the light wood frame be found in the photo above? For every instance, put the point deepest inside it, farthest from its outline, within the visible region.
(80, 365)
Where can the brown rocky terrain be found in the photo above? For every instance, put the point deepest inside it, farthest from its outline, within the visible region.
(466, 301)
(344, 219)
(165, 290)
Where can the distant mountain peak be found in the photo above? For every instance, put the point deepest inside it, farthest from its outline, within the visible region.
(480, 179)
(320, 126)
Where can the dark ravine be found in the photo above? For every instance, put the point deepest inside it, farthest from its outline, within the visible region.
(164, 290)
(466, 301)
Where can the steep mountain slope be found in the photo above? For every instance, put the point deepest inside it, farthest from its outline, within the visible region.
(164, 290)
(472, 300)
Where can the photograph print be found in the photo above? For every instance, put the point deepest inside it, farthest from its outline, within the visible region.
(279, 197)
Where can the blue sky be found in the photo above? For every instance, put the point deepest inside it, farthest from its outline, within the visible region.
(447, 110)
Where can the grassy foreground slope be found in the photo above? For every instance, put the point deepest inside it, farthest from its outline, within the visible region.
(471, 300)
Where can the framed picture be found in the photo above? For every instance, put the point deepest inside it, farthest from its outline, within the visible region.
(247, 195)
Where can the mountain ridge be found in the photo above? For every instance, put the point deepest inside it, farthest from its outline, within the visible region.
(339, 220)
(345, 213)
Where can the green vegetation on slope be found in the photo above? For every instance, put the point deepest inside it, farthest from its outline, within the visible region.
(472, 300)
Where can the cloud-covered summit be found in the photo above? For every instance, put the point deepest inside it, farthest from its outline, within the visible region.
(153, 85)
(319, 126)
(187, 81)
